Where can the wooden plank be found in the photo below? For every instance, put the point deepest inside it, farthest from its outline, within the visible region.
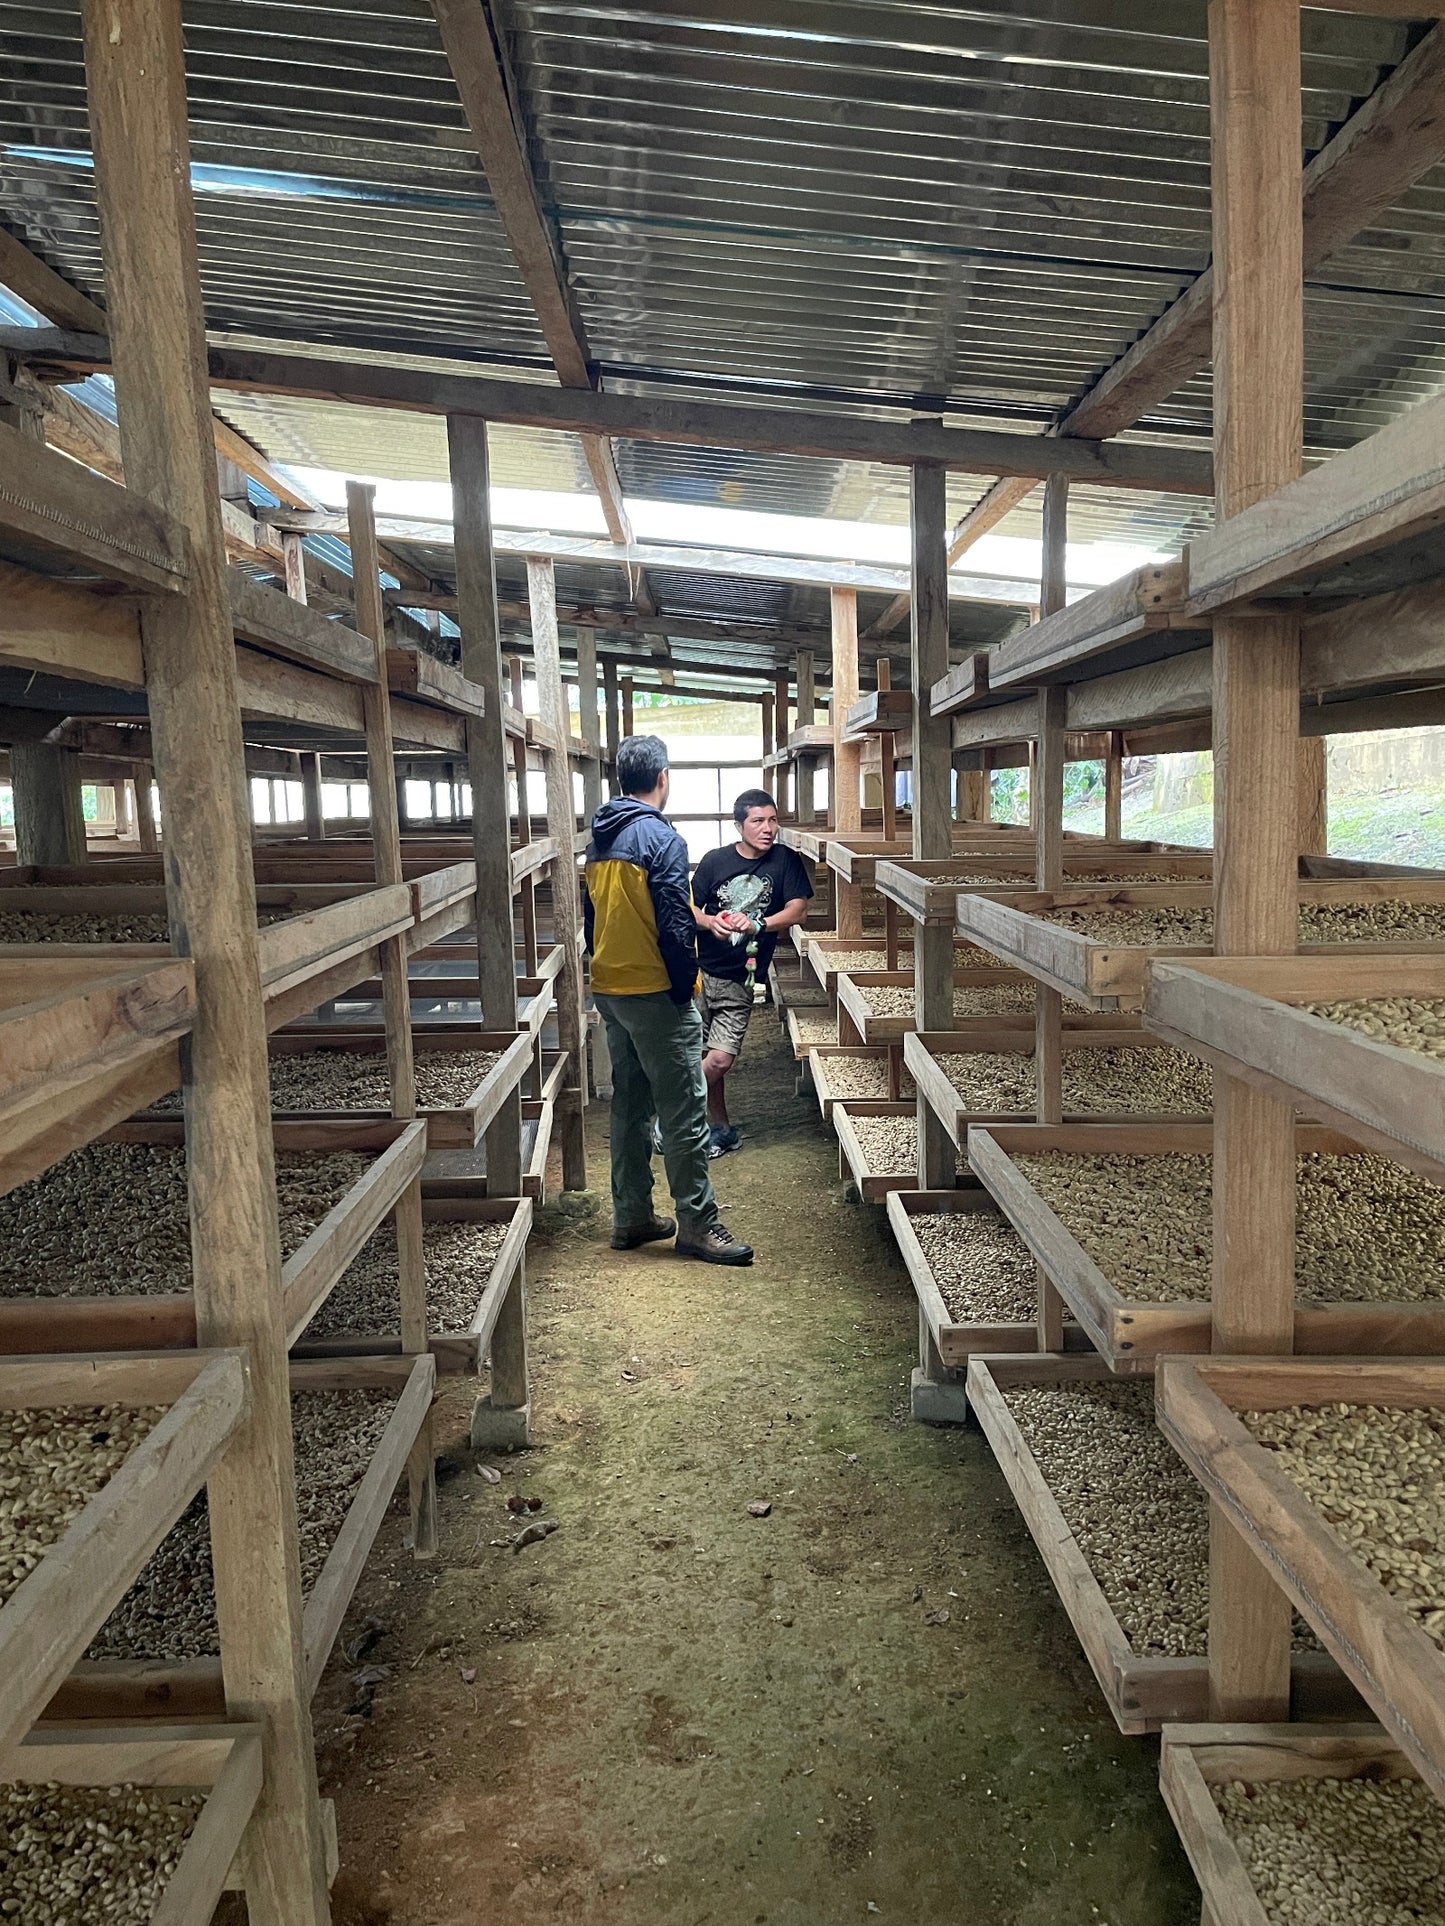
(51, 1617)
(1124, 611)
(1395, 1664)
(52, 507)
(329, 1597)
(298, 950)
(314, 1269)
(966, 683)
(879, 712)
(956, 1343)
(410, 672)
(283, 691)
(873, 1186)
(56, 629)
(272, 620)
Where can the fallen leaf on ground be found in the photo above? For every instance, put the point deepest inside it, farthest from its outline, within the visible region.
(760, 1507)
(534, 1533)
(469, 1674)
(490, 1473)
(940, 1617)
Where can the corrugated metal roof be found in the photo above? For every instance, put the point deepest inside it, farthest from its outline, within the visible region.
(973, 206)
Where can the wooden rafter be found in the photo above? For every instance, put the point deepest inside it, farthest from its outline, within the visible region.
(488, 92)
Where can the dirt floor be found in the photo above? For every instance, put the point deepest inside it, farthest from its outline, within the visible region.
(671, 1712)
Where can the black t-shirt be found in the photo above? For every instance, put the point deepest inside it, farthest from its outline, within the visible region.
(758, 886)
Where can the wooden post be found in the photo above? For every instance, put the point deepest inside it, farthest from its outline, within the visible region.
(1314, 796)
(779, 784)
(395, 987)
(1254, 51)
(589, 723)
(1047, 800)
(524, 835)
(609, 703)
(562, 825)
(1114, 787)
(293, 558)
(932, 759)
(805, 766)
(767, 721)
(145, 815)
(135, 70)
(311, 796)
(486, 741)
(49, 810)
(847, 756)
(627, 719)
(985, 814)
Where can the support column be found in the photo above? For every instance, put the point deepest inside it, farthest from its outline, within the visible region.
(1047, 800)
(49, 811)
(1314, 796)
(609, 704)
(1254, 51)
(145, 815)
(805, 766)
(311, 796)
(395, 987)
(293, 556)
(562, 825)
(628, 725)
(1114, 787)
(135, 70)
(847, 756)
(779, 784)
(486, 741)
(932, 758)
(588, 722)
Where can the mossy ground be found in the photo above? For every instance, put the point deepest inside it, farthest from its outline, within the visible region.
(671, 1713)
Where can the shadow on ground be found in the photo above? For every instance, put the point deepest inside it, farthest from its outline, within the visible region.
(672, 1713)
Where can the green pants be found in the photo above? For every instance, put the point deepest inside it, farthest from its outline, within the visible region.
(657, 1071)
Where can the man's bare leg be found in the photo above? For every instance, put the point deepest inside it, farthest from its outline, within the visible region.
(715, 1066)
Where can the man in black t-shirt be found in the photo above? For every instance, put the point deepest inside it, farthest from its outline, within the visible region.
(743, 895)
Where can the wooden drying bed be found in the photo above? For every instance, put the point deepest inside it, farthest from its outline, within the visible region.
(448, 1128)
(454, 1350)
(956, 1343)
(873, 1185)
(1397, 1667)
(821, 1055)
(51, 1617)
(1142, 1692)
(39, 1324)
(916, 888)
(84, 1042)
(999, 1036)
(1192, 1758)
(118, 1689)
(223, 1761)
(1132, 1333)
(1110, 975)
(1243, 1014)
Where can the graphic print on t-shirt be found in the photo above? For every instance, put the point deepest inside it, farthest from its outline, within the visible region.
(749, 894)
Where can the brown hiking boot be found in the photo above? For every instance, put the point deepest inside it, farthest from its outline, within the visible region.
(715, 1245)
(627, 1237)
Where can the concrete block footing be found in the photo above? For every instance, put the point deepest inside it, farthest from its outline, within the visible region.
(933, 1402)
(500, 1427)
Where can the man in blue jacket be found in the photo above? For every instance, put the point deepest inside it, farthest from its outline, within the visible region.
(640, 930)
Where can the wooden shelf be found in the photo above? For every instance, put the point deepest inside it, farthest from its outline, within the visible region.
(1341, 529)
(920, 891)
(1398, 1668)
(111, 1688)
(458, 1127)
(56, 514)
(1142, 1692)
(1105, 974)
(1132, 1332)
(965, 684)
(223, 1761)
(422, 677)
(849, 987)
(1192, 1758)
(873, 1185)
(1139, 605)
(455, 1349)
(53, 1614)
(117, 1322)
(84, 1041)
(801, 1039)
(820, 1057)
(956, 1343)
(880, 712)
(1245, 1014)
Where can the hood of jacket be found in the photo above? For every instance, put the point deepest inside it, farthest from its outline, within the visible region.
(614, 816)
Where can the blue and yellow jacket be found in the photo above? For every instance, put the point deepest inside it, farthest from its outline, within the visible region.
(637, 904)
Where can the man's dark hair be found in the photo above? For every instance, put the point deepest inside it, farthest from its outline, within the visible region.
(752, 799)
(640, 763)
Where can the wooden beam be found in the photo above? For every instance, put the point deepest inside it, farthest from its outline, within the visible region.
(847, 774)
(1046, 805)
(1258, 337)
(689, 420)
(49, 293)
(1397, 136)
(49, 502)
(628, 621)
(136, 94)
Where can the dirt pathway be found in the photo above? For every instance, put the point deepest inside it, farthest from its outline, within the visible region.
(672, 1713)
